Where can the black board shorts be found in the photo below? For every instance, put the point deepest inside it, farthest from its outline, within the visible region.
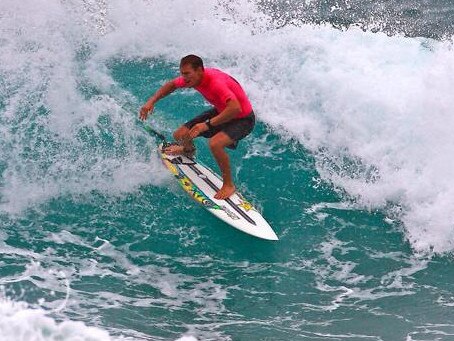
(236, 129)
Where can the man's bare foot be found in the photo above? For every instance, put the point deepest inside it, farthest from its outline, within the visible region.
(225, 192)
(174, 149)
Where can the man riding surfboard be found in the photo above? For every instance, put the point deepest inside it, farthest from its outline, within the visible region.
(230, 120)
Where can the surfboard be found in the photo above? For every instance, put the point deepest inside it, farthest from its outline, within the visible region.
(201, 183)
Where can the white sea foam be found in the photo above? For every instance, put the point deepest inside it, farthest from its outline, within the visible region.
(375, 110)
(187, 338)
(19, 322)
(57, 137)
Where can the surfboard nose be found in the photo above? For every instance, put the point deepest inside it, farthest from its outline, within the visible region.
(272, 236)
(266, 232)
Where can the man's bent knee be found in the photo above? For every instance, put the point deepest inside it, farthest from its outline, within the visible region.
(219, 142)
(214, 145)
(181, 133)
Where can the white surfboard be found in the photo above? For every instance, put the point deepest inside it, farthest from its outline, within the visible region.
(201, 183)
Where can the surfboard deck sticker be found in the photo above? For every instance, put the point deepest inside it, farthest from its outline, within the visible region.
(201, 183)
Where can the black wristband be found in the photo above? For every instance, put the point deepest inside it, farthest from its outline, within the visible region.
(209, 125)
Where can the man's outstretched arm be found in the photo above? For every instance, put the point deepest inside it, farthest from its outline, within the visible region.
(162, 92)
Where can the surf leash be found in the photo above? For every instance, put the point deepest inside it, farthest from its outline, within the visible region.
(145, 126)
(154, 133)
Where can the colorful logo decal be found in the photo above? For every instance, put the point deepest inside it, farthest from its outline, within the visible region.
(230, 213)
(189, 187)
(247, 206)
(198, 195)
(170, 166)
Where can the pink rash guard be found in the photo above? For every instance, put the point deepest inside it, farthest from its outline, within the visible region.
(218, 87)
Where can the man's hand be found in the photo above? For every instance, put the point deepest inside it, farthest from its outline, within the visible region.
(197, 130)
(146, 109)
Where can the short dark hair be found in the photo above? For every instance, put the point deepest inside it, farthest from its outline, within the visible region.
(193, 60)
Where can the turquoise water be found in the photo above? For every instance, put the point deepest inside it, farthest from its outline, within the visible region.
(350, 162)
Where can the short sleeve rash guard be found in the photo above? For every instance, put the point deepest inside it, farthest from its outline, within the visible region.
(218, 88)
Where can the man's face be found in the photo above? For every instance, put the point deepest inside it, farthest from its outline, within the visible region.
(192, 77)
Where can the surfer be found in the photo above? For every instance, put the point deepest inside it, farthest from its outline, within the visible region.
(229, 120)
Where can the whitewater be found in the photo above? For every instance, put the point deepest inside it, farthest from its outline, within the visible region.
(354, 140)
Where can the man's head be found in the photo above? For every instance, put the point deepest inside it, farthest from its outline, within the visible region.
(191, 68)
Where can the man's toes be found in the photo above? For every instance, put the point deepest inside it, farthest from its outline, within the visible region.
(219, 195)
(172, 150)
(224, 193)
